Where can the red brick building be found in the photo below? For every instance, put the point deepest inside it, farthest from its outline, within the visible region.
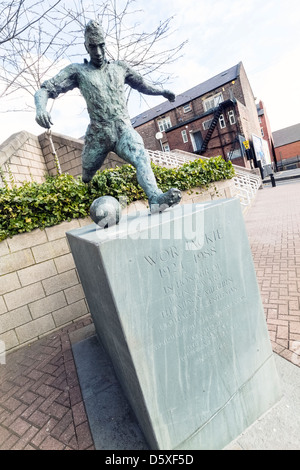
(217, 117)
(287, 147)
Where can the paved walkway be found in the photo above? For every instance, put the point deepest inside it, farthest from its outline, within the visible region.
(273, 226)
(284, 175)
(41, 404)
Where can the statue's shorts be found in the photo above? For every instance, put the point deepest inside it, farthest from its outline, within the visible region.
(117, 136)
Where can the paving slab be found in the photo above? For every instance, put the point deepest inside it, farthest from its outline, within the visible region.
(279, 428)
(114, 427)
(112, 422)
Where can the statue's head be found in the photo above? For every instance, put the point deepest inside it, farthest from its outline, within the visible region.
(95, 43)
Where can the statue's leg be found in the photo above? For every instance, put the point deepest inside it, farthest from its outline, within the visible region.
(94, 152)
(131, 148)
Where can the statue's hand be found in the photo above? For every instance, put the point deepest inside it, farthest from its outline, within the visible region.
(169, 95)
(43, 118)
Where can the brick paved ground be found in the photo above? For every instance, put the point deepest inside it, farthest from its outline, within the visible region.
(41, 405)
(273, 226)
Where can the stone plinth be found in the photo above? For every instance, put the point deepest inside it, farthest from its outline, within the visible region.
(176, 304)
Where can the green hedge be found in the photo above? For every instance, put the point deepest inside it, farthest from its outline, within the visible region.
(63, 197)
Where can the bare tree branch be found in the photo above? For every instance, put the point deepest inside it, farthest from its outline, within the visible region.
(11, 28)
(37, 37)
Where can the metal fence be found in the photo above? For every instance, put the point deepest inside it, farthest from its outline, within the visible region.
(289, 163)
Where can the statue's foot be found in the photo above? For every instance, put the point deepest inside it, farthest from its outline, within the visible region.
(165, 200)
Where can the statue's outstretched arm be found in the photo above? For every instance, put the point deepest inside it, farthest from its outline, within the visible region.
(137, 82)
(64, 81)
(43, 118)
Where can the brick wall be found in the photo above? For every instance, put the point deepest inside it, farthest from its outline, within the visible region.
(22, 158)
(266, 127)
(148, 131)
(25, 157)
(287, 151)
(250, 123)
(176, 141)
(39, 286)
(68, 151)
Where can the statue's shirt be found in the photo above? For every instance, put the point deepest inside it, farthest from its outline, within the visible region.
(103, 88)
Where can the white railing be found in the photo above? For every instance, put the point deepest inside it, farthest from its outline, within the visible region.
(246, 183)
(169, 159)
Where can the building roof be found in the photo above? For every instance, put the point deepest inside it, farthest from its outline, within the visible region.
(187, 96)
(287, 135)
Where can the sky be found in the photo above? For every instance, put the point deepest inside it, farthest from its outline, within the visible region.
(264, 35)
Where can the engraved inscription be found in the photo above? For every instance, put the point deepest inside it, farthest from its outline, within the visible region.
(192, 282)
(210, 238)
(163, 256)
(205, 250)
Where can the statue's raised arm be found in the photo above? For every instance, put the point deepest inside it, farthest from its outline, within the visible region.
(136, 81)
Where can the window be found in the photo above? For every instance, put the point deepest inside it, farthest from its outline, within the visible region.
(187, 108)
(164, 124)
(206, 124)
(213, 101)
(262, 132)
(166, 147)
(184, 136)
(259, 119)
(231, 117)
(234, 154)
(222, 121)
(239, 150)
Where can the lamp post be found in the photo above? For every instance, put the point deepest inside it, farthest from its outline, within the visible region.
(159, 136)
